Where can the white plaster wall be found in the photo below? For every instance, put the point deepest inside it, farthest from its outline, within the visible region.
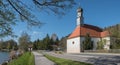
(107, 45)
(95, 41)
(107, 38)
(73, 48)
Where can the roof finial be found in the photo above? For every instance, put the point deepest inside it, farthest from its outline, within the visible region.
(79, 3)
(79, 6)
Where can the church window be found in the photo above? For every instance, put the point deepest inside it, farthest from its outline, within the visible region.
(73, 42)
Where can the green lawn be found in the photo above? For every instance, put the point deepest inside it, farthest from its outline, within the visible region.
(25, 59)
(60, 61)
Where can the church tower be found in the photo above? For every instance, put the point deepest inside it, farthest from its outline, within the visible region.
(80, 16)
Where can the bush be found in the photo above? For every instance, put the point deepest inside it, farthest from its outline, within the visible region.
(5, 63)
(58, 52)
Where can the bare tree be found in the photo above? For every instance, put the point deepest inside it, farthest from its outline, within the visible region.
(12, 11)
(24, 41)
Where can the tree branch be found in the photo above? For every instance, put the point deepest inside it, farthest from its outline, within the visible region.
(16, 9)
(52, 3)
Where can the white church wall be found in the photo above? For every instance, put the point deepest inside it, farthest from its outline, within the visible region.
(73, 45)
(107, 44)
(95, 41)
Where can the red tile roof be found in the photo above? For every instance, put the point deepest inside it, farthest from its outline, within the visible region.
(93, 31)
(104, 33)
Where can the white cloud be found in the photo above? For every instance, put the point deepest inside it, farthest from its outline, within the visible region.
(36, 32)
(37, 35)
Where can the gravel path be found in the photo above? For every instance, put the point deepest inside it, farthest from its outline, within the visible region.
(41, 60)
(96, 59)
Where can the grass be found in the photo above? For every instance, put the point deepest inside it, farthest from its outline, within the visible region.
(25, 59)
(60, 61)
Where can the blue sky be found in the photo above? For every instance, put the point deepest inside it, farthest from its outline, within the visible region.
(102, 13)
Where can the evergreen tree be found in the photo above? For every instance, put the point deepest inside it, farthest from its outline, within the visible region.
(46, 43)
(34, 45)
(87, 43)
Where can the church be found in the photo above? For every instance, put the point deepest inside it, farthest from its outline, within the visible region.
(76, 38)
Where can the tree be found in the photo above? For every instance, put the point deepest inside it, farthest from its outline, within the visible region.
(63, 43)
(115, 36)
(1, 41)
(12, 11)
(46, 42)
(0, 47)
(101, 43)
(34, 45)
(43, 44)
(116, 44)
(3, 45)
(114, 30)
(54, 37)
(87, 43)
(57, 42)
(24, 40)
(11, 44)
(54, 41)
(8, 46)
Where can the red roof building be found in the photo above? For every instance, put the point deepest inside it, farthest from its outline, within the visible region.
(76, 38)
